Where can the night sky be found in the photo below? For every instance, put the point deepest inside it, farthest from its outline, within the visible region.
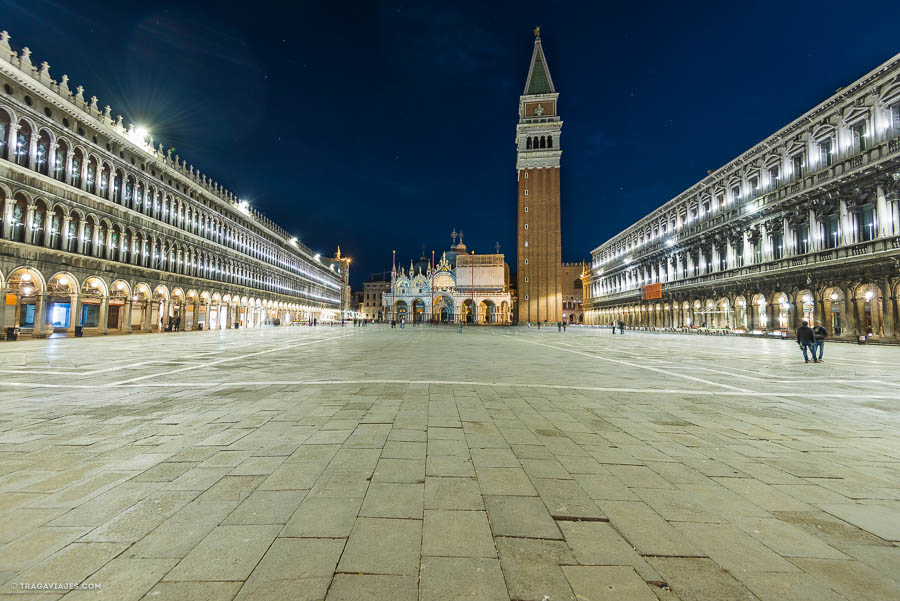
(381, 126)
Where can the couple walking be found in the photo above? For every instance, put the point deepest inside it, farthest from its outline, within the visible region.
(812, 339)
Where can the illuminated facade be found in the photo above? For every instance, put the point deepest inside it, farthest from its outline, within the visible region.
(102, 230)
(804, 225)
(468, 287)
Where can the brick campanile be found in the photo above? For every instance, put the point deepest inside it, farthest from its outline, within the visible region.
(537, 164)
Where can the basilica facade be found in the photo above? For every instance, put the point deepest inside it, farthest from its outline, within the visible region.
(803, 226)
(103, 232)
(463, 287)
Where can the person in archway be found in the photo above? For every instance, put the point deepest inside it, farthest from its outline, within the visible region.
(806, 340)
(177, 322)
(820, 334)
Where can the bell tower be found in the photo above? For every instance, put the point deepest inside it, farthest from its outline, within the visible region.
(537, 164)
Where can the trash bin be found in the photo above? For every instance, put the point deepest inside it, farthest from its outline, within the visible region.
(12, 333)
(79, 331)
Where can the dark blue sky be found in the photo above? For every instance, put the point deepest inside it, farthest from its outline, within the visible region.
(382, 126)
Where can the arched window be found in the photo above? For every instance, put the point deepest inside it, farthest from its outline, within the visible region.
(56, 233)
(528, 144)
(4, 134)
(59, 161)
(138, 204)
(549, 141)
(102, 251)
(71, 241)
(38, 223)
(88, 237)
(42, 154)
(17, 225)
(77, 162)
(104, 181)
(117, 187)
(128, 198)
(114, 239)
(23, 144)
(92, 175)
(543, 142)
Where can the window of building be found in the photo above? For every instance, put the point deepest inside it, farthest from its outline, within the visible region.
(736, 193)
(826, 154)
(720, 201)
(798, 164)
(526, 175)
(526, 192)
(858, 132)
(526, 244)
(803, 242)
(758, 251)
(526, 278)
(754, 186)
(832, 231)
(526, 261)
(777, 245)
(706, 207)
(867, 223)
(526, 209)
(526, 297)
(774, 175)
(526, 226)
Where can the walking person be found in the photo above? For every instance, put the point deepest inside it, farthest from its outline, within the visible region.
(806, 340)
(820, 334)
(622, 327)
(559, 326)
(177, 322)
(613, 325)
(564, 325)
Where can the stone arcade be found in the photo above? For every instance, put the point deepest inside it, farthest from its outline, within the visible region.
(804, 225)
(102, 230)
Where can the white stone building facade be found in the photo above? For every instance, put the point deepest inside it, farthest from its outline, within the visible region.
(103, 231)
(804, 225)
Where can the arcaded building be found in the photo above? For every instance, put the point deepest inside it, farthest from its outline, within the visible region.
(803, 226)
(103, 231)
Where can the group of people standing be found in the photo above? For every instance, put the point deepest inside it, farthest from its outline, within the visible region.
(812, 339)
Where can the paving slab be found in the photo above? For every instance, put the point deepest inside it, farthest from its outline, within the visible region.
(608, 583)
(227, 553)
(383, 546)
(532, 568)
(520, 517)
(453, 533)
(454, 578)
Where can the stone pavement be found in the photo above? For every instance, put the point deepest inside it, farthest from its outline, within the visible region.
(378, 464)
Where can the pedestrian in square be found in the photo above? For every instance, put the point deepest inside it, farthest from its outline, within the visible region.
(613, 324)
(559, 326)
(821, 334)
(621, 327)
(806, 340)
